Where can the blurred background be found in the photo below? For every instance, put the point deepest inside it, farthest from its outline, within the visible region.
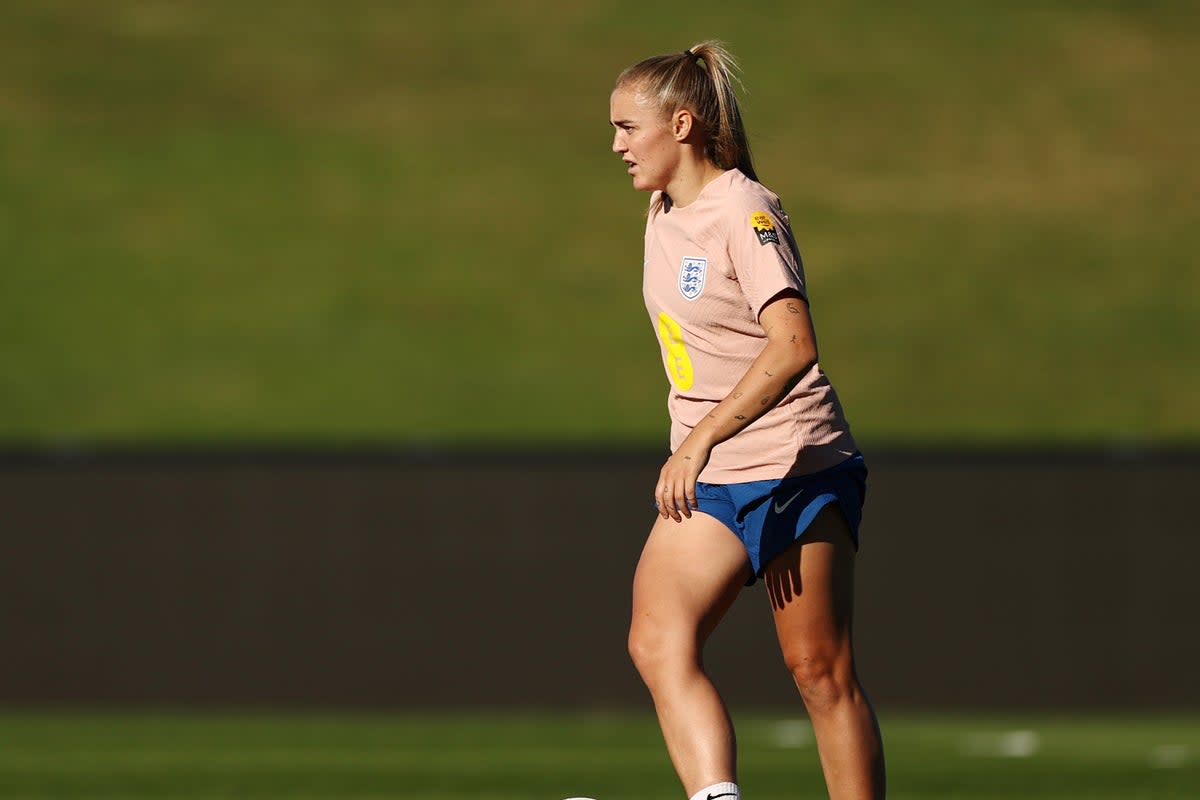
(326, 383)
(370, 223)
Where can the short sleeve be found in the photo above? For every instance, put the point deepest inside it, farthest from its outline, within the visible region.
(764, 256)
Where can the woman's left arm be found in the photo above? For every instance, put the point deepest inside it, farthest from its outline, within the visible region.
(790, 352)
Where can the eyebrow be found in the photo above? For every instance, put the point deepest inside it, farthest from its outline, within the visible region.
(621, 122)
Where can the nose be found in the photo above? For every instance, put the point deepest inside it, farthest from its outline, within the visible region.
(618, 145)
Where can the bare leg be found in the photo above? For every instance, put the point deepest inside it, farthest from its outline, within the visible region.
(689, 575)
(811, 587)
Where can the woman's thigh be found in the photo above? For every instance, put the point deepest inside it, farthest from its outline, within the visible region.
(811, 589)
(689, 574)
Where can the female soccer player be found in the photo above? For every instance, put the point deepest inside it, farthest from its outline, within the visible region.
(764, 479)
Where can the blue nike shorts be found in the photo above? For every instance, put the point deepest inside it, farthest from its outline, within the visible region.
(769, 515)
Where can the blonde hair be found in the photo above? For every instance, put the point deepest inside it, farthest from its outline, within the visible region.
(701, 80)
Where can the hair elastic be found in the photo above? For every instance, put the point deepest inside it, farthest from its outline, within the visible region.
(690, 54)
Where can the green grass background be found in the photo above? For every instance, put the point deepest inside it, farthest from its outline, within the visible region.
(400, 222)
(549, 757)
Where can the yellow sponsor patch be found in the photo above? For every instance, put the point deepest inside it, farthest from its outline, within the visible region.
(764, 227)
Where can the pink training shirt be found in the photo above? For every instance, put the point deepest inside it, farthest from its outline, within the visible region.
(710, 268)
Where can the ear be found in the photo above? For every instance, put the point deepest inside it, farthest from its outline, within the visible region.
(681, 124)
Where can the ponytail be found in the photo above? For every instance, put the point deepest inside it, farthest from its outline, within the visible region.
(701, 80)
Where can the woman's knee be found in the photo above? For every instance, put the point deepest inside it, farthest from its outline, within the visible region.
(656, 653)
(824, 676)
(646, 648)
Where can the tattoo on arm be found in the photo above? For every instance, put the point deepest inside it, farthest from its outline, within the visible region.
(792, 308)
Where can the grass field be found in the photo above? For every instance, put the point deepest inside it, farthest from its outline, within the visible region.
(609, 757)
(361, 221)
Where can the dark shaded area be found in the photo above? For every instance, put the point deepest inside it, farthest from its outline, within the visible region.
(371, 580)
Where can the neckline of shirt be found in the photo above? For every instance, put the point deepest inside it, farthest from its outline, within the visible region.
(725, 177)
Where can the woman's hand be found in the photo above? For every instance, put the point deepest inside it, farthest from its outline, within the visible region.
(676, 490)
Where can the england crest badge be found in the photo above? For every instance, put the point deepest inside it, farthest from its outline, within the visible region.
(691, 276)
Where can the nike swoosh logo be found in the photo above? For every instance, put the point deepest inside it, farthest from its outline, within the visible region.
(779, 509)
(725, 794)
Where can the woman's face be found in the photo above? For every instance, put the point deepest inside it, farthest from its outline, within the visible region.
(643, 140)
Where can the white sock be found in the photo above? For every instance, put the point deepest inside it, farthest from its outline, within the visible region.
(725, 791)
